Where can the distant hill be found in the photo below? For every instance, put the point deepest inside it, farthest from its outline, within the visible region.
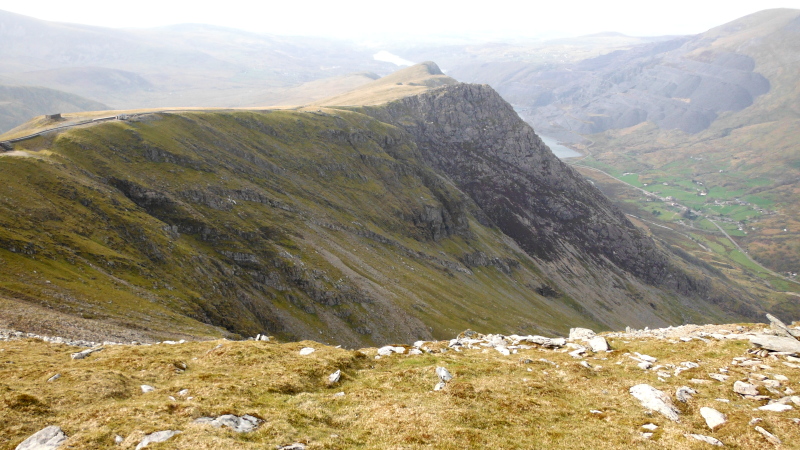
(182, 65)
(716, 115)
(20, 103)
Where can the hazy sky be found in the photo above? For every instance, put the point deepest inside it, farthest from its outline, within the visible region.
(358, 18)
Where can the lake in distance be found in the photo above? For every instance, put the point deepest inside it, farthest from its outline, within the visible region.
(558, 149)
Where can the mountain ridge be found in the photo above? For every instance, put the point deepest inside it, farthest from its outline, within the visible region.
(344, 221)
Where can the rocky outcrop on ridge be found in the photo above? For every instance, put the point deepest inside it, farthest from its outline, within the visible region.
(472, 135)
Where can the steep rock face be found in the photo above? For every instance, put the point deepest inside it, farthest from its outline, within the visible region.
(471, 134)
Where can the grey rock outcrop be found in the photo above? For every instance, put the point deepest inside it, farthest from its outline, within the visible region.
(444, 374)
(776, 343)
(158, 436)
(713, 417)
(655, 400)
(599, 344)
(241, 424)
(684, 393)
(582, 334)
(707, 439)
(474, 137)
(743, 388)
(84, 353)
(48, 438)
(770, 437)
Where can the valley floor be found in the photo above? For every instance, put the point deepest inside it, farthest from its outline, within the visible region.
(506, 392)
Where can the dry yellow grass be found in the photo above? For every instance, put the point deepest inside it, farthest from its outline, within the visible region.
(536, 398)
(403, 83)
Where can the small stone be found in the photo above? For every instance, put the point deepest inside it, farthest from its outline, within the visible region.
(754, 421)
(776, 407)
(595, 411)
(647, 435)
(444, 374)
(183, 392)
(650, 426)
(713, 417)
(707, 439)
(644, 365)
(83, 354)
(158, 436)
(780, 377)
(295, 446)
(742, 388)
(334, 377)
(306, 351)
(119, 439)
(684, 393)
(655, 400)
(439, 386)
(503, 350)
(243, 424)
(339, 394)
(770, 437)
(147, 388)
(48, 438)
(647, 358)
(718, 376)
(54, 378)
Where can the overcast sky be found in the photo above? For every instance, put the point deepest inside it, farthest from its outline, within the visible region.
(360, 18)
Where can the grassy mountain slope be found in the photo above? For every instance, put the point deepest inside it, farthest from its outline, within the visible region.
(288, 222)
(328, 223)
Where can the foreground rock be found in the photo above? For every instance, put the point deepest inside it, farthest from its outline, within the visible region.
(83, 354)
(707, 439)
(742, 388)
(713, 417)
(770, 437)
(444, 374)
(158, 436)
(655, 400)
(583, 334)
(243, 424)
(776, 343)
(48, 438)
(598, 344)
